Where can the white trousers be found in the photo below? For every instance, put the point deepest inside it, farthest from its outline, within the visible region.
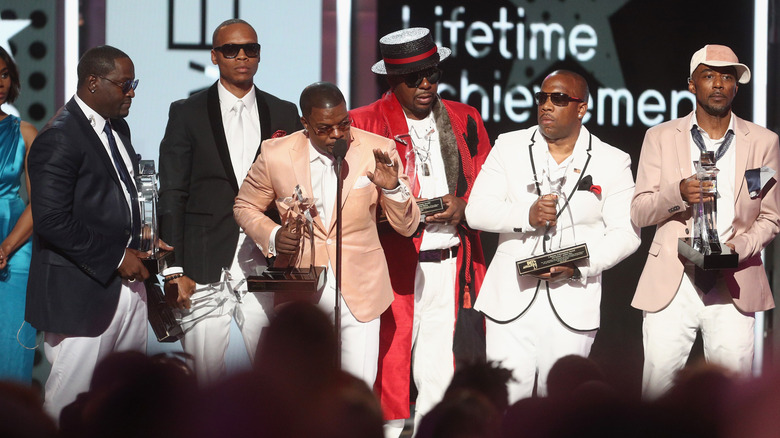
(531, 344)
(207, 322)
(359, 340)
(73, 358)
(668, 335)
(434, 325)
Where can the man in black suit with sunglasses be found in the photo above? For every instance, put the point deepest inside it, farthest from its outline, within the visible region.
(211, 140)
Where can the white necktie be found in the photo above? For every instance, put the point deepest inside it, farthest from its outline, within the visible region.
(327, 190)
(236, 140)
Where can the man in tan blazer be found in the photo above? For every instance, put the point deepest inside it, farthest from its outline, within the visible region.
(676, 300)
(371, 174)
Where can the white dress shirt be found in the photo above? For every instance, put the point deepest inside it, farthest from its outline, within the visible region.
(242, 131)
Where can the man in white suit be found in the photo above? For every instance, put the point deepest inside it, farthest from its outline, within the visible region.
(546, 188)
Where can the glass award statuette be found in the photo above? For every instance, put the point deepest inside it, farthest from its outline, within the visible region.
(705, 249)
(161, 316)
(284, 276)
(560, 256)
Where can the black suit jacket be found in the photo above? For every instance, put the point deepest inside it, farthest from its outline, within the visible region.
(82, 225)
(197, 182)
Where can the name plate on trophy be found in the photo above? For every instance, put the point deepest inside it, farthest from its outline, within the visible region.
(546, 261)
(431, 206)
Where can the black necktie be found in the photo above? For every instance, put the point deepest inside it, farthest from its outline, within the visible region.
(697, 138)
(124, 175)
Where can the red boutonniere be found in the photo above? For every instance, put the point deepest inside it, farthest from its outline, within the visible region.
(279, 133)
(586, 183)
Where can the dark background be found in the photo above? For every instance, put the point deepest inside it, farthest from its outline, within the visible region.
(653, 44)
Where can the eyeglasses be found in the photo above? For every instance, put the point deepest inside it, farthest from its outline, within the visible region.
(413, 80)
(327, 130)
(558, 99)
(230, 51)
(126, 86)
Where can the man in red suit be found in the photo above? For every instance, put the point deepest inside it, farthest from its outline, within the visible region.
(436, 273)
(676, 299)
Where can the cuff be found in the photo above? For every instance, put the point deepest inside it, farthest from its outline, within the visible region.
(398, 194)
(271, 242)
(172, 270)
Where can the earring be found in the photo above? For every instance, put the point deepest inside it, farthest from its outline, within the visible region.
(306, 132)
(92, 91)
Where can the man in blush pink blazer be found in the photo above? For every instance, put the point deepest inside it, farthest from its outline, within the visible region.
(372, 174)
(676, 299)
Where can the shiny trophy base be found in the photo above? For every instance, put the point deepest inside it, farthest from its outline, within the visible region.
(161, 317)
(543, 262)
(306, 280)
(289, 284)
(725, 259)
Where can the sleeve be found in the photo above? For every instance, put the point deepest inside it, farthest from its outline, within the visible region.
(403, 215)
(54, 166)
(620, 238)
(491, 206)
(654, 200)
(175, 171)
(767, 224)
(254, 197)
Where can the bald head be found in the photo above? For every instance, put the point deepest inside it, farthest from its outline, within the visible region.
(581, 85)
(320, 95)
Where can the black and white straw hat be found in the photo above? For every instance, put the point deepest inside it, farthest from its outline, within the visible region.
(407, 51)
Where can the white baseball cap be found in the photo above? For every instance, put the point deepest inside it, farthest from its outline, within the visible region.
(720, 56)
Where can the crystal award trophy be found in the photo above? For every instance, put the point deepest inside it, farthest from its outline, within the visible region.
(705, 249)
(296, 282)
(540, 263)
(161, 316)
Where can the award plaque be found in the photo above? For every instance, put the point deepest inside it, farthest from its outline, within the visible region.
(294, 283)
(543, 262)
(164, 324)
(705, 249)
(431, 206)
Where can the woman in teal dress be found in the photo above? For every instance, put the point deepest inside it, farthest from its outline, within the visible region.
(17, 337)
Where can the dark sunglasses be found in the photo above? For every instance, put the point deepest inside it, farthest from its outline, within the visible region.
(558, 99)
(126, 86)
(327, 130)
(230, 51)
(413, 80)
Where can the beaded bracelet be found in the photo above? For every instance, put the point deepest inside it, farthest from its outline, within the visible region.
(173, 277)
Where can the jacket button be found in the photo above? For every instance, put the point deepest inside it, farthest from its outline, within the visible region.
(127, 232)
(687, 231)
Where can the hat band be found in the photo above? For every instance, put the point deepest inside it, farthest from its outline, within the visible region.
(411, 59)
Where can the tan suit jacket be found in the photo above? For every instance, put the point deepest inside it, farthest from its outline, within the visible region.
(283, 164)
(666, 160)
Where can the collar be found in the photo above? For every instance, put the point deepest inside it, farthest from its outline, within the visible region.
(227, 99)
(695, 121)
(95, 120)
(315, 155)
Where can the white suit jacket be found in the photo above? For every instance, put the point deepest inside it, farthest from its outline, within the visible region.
(500, 201)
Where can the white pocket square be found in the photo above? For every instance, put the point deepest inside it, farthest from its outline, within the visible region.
(362, 182)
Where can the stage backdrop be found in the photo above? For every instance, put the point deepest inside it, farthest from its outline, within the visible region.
(635, 55)
(170, 44)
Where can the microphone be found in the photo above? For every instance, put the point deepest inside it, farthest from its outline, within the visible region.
(340, 150)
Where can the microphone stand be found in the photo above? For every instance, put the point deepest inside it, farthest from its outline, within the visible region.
(339, 151)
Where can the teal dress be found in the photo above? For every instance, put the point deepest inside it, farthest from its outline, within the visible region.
(16, 361)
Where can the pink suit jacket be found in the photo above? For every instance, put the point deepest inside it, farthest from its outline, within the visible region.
(283, 164)
(666, 160)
